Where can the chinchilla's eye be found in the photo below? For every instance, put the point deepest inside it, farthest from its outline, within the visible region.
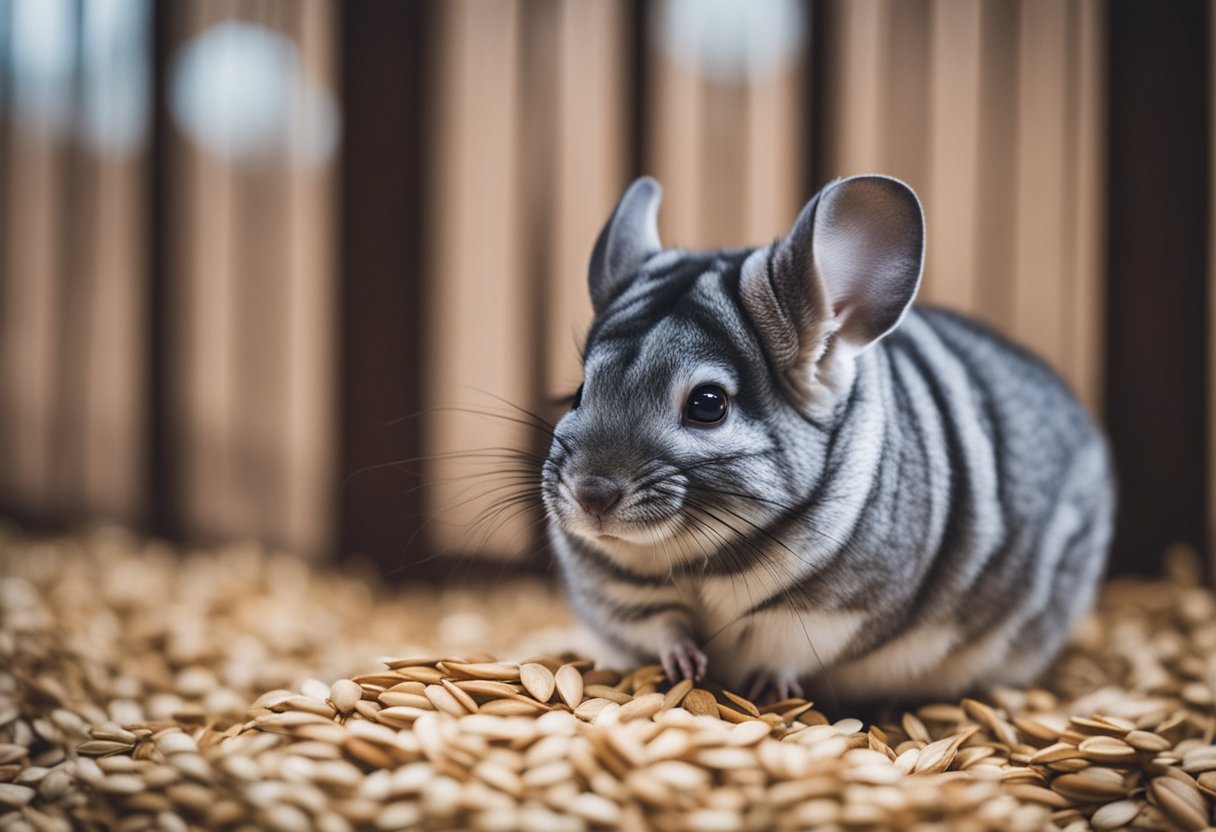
(578, 398)
(706, 406)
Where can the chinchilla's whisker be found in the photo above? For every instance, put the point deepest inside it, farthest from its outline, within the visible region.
(491, 454)
(525, 502)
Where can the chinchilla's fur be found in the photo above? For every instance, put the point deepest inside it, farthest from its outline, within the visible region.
(897, 502)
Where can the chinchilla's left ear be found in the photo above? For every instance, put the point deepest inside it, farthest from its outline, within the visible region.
(627, 241)
(849, 268)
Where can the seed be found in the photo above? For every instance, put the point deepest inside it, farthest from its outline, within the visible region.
(714, 820)
(726, 758)
(515, 706)
(1182, 804)
(605, 692)
(538, 680)
(1091, 784)
(392, 698)
(176, 742)
(1108, 750)
(1116, 814)
(98, 747)
(596, 809)
(676, 694)
(744, 705)
(1146, 741)
(749, 733)
(500, 671)
(1037, 794)
(345, 694)
(1199, 759)
(1056, 752)
(14, 795)
(569, 685)
(700, 702)
(643, 707)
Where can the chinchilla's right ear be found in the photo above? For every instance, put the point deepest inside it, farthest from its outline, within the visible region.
(843, 277)
(627, 241)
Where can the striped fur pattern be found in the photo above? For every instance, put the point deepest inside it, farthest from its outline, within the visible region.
(898, 503)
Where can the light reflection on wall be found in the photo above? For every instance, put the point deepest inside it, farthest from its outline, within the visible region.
(239, 92)
(84, 74)
(728, 41)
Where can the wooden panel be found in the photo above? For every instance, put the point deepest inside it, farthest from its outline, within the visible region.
(775, 159)
(310, 401)
(730, 151)
(592, 142)
(1156, 342)
(1043, 182)
(112, 470)
(251, 276)
(989, 110)
(385, 227)
(998, 163)
(1087, 158)
(206, 294)
(30, 346)
(676, 111)
(478, 305)
(852, 134)
(953, 195)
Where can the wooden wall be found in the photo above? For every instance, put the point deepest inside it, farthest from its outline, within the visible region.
(307, 350)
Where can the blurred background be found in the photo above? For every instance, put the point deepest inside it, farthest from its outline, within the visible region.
(273, 269)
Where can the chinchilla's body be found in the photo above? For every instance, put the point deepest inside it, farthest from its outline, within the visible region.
(778, 472)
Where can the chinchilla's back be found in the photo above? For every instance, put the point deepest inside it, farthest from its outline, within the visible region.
(998, 456)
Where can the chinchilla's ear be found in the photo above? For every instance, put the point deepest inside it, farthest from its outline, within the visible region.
(850, 267)
(627, 241)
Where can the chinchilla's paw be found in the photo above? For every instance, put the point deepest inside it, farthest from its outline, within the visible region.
(682, 659)
(774, 685)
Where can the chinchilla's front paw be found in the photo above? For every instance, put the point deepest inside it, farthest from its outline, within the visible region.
(682, 659)
(776, 685)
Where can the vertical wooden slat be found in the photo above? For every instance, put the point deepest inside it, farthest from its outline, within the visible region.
(307, 468)
(112, 469)
(208, 270)
(75, 276)
(776, 156)
(1042, 180)
(998, 164)
(1086, 265)
(853, 132)
(904, 101)
(1211, 323)
(676, 113)
(592, 145)
(158, 339)
(479, 303)
(386, 227)
(8, 484)
(30, 345)
(728, 139)
(253, 498)
(721, 192)
(953, 195)
(1157, 201)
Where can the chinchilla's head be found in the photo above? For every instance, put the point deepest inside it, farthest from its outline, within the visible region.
(713, 381)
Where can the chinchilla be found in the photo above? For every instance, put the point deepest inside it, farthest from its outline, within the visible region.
(780, 472)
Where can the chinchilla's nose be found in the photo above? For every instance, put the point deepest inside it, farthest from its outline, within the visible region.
(596, 495)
